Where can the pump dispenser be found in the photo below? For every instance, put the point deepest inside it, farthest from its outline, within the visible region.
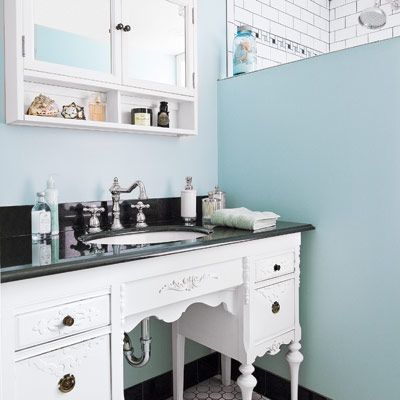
(188, 203)
(52, 201)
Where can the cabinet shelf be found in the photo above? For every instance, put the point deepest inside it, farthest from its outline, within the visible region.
(55, 79)
(52, 122)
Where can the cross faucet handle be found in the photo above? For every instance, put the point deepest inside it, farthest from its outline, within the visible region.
(94, 223)
(140, 218)
(140, 206)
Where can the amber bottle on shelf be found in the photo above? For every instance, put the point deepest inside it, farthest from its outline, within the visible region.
(163, 115)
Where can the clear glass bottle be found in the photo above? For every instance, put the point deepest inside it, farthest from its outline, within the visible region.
(244, 51)
(210, 204)
(41, 218)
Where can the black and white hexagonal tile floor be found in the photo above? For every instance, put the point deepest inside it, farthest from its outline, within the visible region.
(212, 389)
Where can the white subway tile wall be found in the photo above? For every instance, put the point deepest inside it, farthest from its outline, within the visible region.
(290, 30)
(345, 31)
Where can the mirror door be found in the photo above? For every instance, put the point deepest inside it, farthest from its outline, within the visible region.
(157, 43)
(79, 37)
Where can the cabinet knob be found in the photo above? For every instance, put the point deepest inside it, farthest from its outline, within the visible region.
(66, 383)
(127, 28)
(276, 307)
(277, 267)
(68, 321)
(119, 27)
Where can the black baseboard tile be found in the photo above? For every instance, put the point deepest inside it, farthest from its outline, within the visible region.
(278, 388)
(273, 386)
(208, 366)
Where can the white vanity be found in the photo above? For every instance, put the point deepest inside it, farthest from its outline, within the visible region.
(62, 335)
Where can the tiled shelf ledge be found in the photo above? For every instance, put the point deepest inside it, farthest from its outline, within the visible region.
(52, 122)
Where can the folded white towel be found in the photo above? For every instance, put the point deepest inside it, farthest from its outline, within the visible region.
(243, 218)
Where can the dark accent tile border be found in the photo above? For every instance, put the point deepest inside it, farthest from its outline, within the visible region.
(160, 388)
(16, 220)
(275, 387)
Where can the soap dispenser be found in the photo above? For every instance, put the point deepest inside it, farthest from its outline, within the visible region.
(52, 201)
(188, 203)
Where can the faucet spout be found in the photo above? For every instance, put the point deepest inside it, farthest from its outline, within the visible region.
(116, 189)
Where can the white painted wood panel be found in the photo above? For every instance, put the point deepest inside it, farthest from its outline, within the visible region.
(88, 361)
(47, 324)
(267, 322)
(272, 267)
(176, 287)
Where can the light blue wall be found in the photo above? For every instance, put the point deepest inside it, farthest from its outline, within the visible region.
(86, 162)
(67, 48)
(319, 141)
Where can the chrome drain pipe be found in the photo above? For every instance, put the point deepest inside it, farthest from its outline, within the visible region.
(145, 342)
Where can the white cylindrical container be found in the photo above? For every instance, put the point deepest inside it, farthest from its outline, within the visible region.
(188, 203)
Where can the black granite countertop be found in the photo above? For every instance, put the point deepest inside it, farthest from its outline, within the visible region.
(22, 259)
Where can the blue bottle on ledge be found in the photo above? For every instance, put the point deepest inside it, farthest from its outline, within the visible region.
(244, 51)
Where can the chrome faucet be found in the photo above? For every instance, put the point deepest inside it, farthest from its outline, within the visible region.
(116, 191)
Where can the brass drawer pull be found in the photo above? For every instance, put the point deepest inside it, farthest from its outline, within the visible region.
(277, 267)
(66, 384)
(276, 307)
(68, 321)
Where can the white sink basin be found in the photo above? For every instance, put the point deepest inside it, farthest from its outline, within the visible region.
(149, 237)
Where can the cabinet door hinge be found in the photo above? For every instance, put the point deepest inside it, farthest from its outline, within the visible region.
(193, 15)
(194, 80)
(23, 45)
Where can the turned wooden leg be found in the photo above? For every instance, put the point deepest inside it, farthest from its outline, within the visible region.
(225, 370)
(247, 382)
(294, 358)
(178, 361)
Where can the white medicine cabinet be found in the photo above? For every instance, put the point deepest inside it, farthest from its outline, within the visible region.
(124, 54)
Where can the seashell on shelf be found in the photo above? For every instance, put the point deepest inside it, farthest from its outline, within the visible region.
(43, 106)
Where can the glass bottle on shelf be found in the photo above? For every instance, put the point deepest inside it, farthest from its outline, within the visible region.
(97, 110)
(41, 218)
(244, 51)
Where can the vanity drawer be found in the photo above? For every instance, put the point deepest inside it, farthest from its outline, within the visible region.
(80, 371)
(273, 311)
(272, 267)
(181, 286)
(67, 319)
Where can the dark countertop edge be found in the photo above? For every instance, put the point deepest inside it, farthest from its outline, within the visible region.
(78, 265)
